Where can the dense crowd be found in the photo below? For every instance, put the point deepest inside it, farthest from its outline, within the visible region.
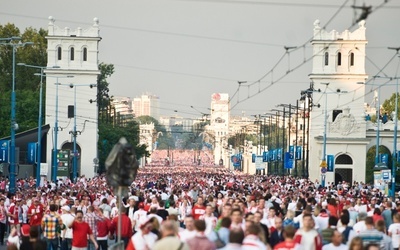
(196, 207)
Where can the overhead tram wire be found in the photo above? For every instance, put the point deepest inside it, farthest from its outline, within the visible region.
(301, 64)
(281, 58)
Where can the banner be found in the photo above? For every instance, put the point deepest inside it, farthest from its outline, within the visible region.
(384, 158)
(259, 163)
(288, 160)
(299, 151)
(32, 150)
(253, 158)
(236, 160)
(4, 150)
(279, 154)
(265, 156)
(330, 162)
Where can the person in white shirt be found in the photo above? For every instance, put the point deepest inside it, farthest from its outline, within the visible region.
(139, 217)
(336, 243)
(190, 231)
(66, 234)
(210, 219)
(360, 225)
(394, 231)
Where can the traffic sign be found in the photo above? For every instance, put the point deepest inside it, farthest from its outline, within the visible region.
(324, 170)
(323, 164)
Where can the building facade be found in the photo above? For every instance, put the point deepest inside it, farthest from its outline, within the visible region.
(338, 126)
(72, 83)
(147, 105)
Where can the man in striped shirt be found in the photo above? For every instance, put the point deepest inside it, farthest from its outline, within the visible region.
(50, 225)
(92, 217)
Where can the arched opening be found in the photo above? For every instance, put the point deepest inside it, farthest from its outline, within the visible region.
(84, 54)
(339, 59)
(326, 58)
(352, 59)
(72, 54)
(59, 53)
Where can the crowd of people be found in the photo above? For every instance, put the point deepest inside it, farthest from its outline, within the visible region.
(180, 157)
(196, 208)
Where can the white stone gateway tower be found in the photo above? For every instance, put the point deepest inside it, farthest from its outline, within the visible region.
(338, 127)
(72, 56)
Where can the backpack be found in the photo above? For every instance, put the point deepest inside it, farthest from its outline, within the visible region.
(346, 233)
(218, 242)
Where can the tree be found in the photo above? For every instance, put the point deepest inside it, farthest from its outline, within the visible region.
(389, 105)
(26, 83)
(164, 139)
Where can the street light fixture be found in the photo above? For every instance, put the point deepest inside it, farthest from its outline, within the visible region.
(55, 146)
(14, 125)
(75, 153)
(39, 143)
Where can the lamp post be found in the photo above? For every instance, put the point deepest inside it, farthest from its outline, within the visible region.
(39, 143)
(323, 161)
(55, 146)
(75, 153)
(394, 157)
(14, 125)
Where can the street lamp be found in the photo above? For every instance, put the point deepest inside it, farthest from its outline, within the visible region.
(39, 143)
(75, 153)
(55, 145)
(14, 125)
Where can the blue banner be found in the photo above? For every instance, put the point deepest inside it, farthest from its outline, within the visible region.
(330, 162)
(32, 149)
(253, 158)
(236, 160)
(265, 156)
(291, 149)
(398, 156)
(288, 160)
(274, 152)
(384, 158)
(279, 154)
(299, 151)
(4, 150)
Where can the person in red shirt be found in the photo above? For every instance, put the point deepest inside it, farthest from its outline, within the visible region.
(198, 209)
(13, 214)
(126, 226)
(103, 230)
(80, 231)
(289, 243)
(35, 213)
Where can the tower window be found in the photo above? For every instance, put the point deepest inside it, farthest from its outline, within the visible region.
(326, 58)
(84, 54)
(351, 59)
(72, 54)
(339, 59)
(59, 53)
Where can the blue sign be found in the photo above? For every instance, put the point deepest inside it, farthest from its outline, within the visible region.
(4, 150)
(265, 156)
(31, 157)
(236, 160)
(299, 150)
(253, 158)
(398, 156)
(291, 149)
(288, 160)
(384, 158)
(330, 162)
(279, 154)
(274, 152)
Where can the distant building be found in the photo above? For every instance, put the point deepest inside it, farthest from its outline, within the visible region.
(76, 53)
(148, 105)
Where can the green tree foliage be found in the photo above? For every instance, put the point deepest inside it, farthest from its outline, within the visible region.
(370, 163)
(389, 105)
(26, 83)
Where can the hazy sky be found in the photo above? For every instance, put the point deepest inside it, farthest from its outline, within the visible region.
(184, 50)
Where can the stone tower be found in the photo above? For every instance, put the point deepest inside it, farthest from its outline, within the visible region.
(70, 84)
(338, 126)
